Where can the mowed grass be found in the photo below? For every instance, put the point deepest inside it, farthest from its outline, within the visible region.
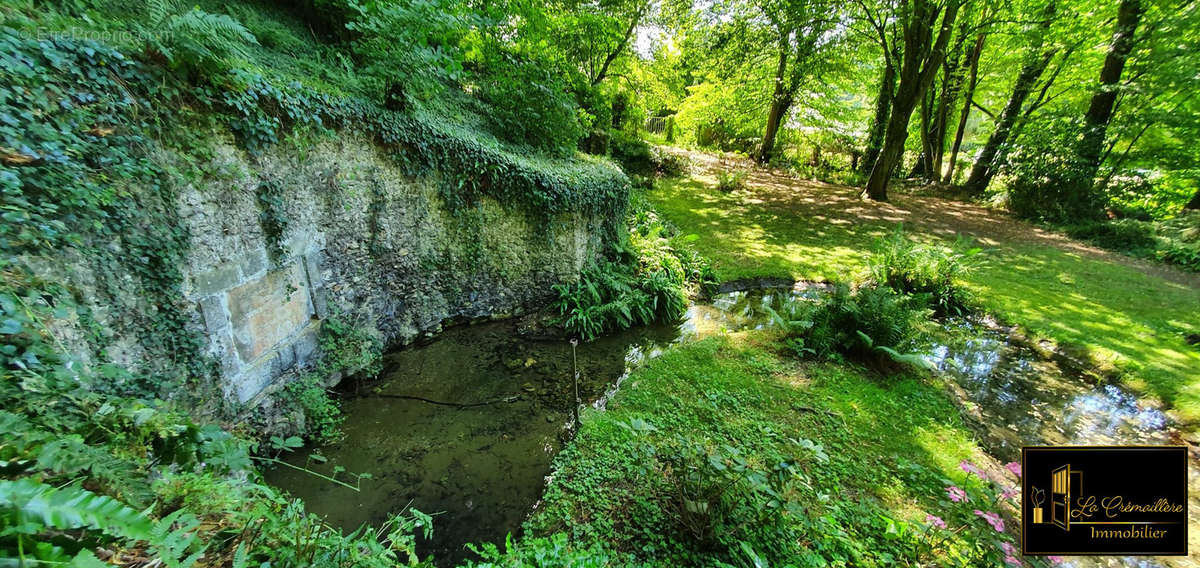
(1123, 318)
(884, 462)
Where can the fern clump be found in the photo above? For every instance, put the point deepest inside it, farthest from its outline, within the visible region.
(206, 42)
(871, 325)
(647, 281)
(931, 272)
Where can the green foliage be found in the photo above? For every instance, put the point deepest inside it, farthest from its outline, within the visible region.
(1174, 241)
(530, 104)
(730, 181)
(347, 347)
(869, 324)
(644, 283)
(1044, 177)
(322, 413)
(932, 271)
(797, 447)
(1121, 234)
(724, 499)
(410, 49)
(197, 40)
(273, 219)
(634, 154)
(537, 552)
(70, 109)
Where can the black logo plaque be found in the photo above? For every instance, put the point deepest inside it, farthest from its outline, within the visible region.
(1104, 500)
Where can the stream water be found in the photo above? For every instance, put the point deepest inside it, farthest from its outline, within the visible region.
(483, 468)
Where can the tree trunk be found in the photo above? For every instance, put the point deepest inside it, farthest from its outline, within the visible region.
(973, 65)
(612, 55)
(921, 61)
(1100, 110)
(781, 100)
(922, 168)
(952, 80)
(883, 108)
(993, 155)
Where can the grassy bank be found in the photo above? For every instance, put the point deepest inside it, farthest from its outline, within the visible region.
(822, 465)
(1124, 316)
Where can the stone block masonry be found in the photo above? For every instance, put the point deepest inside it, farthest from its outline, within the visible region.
(360, 238)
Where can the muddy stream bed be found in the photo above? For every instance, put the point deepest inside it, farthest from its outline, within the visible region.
(482, 469)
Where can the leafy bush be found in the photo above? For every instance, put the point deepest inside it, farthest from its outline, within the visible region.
(634, 154)
(646, 282)
(546, 551)
(729, 181)
(1044, 177)
(724, 500)
(410, 49)
(870, 324)
(1121, 234)
(932, 271)
(1175, 241)
(530, 104)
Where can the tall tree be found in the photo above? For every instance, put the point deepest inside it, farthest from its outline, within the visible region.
(1100, 111)
(1036, 62)
(926, 29)
(972, 65)
(800, 29)
(883, 109)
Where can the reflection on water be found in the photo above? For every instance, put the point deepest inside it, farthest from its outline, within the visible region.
(484, 468)
(1017, 398)
(481, 468)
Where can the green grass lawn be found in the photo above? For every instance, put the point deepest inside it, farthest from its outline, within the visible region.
(620, 485)
(1122, 318)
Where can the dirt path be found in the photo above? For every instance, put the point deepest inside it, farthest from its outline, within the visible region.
(840, 205)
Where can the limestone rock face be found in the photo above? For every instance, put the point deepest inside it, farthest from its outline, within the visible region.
(359, 237)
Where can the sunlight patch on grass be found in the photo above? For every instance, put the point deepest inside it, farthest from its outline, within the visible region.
(1121, 318)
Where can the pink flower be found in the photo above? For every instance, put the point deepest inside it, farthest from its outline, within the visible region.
(992, 519)
(1014, 467)
(1009, 493)
(1055, 559)
(957, 495)
(935, 521)
(972, 469)
(1008, 548)
(1012, 560)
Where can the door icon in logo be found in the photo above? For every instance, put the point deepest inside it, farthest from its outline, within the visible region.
(1060, 497)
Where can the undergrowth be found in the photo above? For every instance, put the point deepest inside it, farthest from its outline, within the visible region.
(935, 273)
(870, 324)
(645, 279)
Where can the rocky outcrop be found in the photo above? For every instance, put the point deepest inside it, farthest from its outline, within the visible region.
(280, 241)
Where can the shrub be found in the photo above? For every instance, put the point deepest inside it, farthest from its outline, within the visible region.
(1045, 178)
(724, 500)
(530, 104)
(1122, 234)
(196, 39)
(409, 49)
(731, 181)
(634, 154)
(870, 324)
(932, 271)
(646, 281)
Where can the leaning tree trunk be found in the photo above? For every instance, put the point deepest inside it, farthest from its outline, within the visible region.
(992, 156)
(883, 108)
(1100, 111)
(968, 96)
(921, 62)
(781, 100)
(952, 80)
